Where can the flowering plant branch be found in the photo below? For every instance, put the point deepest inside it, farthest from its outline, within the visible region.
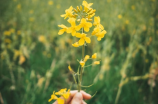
(80, 20)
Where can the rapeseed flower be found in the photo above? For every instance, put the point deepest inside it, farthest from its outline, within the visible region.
(73, 27)
(53, 96)
(82, 63)
(69, 13)
(85, 25)
(83, 38)
(7, 33)
(64, 29)
(94, 56)
(60, 101)
(76, 44)
(96, 62)
(86, 58)
(86, 5)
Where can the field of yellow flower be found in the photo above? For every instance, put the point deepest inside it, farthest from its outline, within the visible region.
(34, 56)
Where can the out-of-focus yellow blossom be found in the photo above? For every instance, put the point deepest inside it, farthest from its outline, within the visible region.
(94, 56)
(86, 5)
(19, 6)
(21, 59)
(86, 58)
(73, 27)
(76, 44)
(7, 33)
(18, 32)
(31, 19)
(86, 25)
(60, 101)
(64, 29)
(12, 30)
(70, 69)
(133, 7)
(97, 23)
(58, 6)
(67, 94)
(100, 35)
(16, 54)
(83, 38)
(53, 96)
(7, 41)
(119, 16)
(50, 2)
(127, 21)
(96, 62)
(61, 92)
(31, 11)
(68, 13)
(42, 38)
(96, 30)
(82, 63)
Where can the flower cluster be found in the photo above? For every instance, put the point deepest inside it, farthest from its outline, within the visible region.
(65, 94)
(80, 20)
(94, 56)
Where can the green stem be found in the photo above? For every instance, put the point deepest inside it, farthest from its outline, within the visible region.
(82, 68)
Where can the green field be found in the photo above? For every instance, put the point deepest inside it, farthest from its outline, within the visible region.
(34, 59)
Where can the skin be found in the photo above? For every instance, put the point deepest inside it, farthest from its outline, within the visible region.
(77, 97)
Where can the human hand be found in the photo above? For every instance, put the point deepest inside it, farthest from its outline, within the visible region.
(77, 97)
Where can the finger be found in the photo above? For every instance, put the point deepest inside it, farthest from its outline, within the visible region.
(77, 99)
(84, 94)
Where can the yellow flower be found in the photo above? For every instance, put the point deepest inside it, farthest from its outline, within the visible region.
(86, 5)
(97, 22)
(82, 63)
(73, 27)
(100, 35)
(31, 19)
(50, 2)
(76, 44)
(96, 30)
(61, 92)
(21, 59)
(68, 12)
(19, 6)
(86, 58)
(86, 25)
(7, 33)
(61, 31)
(53, 96)
(83, 38)
(96, 62)
(94, 56)
(70, 69)
(119, 16)
(12, 30)
(127, 21)
(18, 32)
(60, 101)
(67, 94)
(7, 41)
(41, 38)
(31, 11)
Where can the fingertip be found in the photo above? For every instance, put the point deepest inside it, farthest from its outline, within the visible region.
(86, 95)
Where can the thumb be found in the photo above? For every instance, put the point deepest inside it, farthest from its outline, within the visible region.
(77, 99)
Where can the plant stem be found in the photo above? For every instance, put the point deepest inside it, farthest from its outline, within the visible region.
(82, 68)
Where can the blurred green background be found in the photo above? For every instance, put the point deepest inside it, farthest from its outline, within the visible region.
(34, 59)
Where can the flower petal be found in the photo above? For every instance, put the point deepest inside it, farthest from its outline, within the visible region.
(87, 39)
(81, 42)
